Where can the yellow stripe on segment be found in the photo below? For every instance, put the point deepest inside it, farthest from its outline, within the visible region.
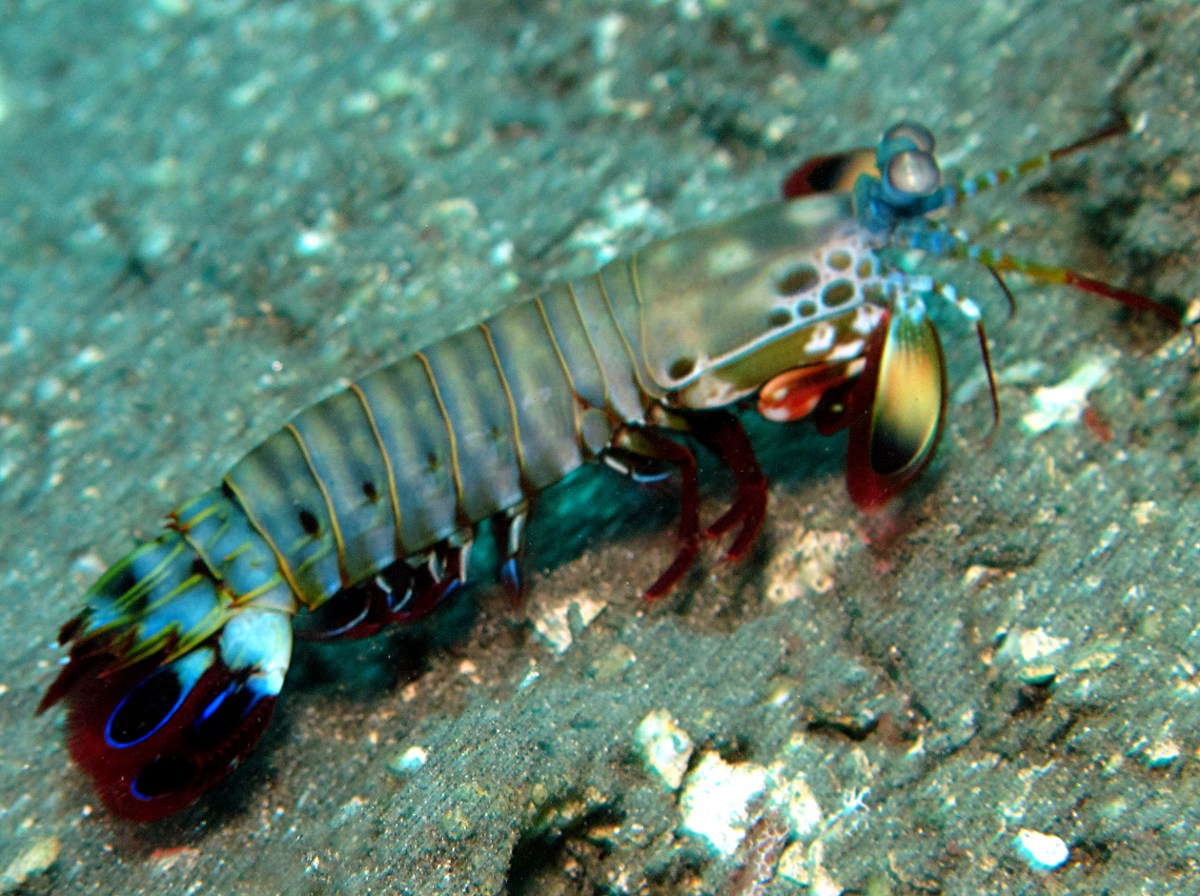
(512, 405)
(211, 623)
(591, 345)
(637, 297)
(393, 496)
(219, 582)
(284, 569)
(250, 596)
(186, 532)
(199, 551)
(193, 518)
(621, 334)
(145, 583)
(455, 472)
(562, 362)
(333, 520)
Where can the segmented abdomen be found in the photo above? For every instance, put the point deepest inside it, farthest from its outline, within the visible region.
(423, 449)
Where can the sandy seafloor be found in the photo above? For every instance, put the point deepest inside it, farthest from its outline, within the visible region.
(214, 212)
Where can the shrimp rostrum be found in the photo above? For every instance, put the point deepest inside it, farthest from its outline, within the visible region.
(361, 511)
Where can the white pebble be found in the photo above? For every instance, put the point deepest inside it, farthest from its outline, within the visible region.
(1042, 852)
(310, 242)
(411, 760)
(665, 747)
(716, 798)
(1064, 402)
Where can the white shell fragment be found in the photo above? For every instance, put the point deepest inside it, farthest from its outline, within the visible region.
(1042, 852)
(35, 860)
(554, 625)
(410, 760)
(664, 747)
(800, 804)
(806, 565)
(715, 799)
(1066, 401)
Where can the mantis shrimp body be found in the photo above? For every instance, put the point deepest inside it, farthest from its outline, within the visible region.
(360, 512)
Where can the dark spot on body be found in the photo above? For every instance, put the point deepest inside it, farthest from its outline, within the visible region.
(839, 292)
(681, 367)
(796, 280)
(839, 260)
(308, 522)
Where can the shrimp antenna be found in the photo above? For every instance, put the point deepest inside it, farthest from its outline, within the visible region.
(980, 183)
(954, 244)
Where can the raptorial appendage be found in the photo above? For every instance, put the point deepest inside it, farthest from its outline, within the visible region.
(892, 397)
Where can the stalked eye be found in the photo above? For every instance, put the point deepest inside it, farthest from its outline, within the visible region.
(221, 716)
(163, 775)
(145, 709)
(912, 174)
(910, 130)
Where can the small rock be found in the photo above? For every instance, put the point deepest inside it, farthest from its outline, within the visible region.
(1064, 402)
(556, 625)
(664, 746)
(1042, 852)
(38, 857)
(409, 761)
(715, 800)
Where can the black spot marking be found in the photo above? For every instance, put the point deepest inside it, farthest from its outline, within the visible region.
(779, 318)
(796, 280)
(839, 260)
(807, 308)
(839, 292)
(163, 775)
(308, 522)
(133, 605)
(369, 491)
(681, 367)
(145, 709)
(200, 568)
(122, 582)
(893, 450)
